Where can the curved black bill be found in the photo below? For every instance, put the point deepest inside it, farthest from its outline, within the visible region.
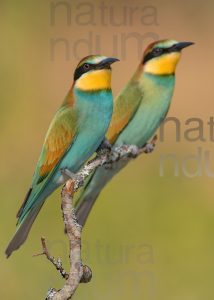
(182, 45)
(107, 62)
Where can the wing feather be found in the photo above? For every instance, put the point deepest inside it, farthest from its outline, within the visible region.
(125, 106)
(58, 140)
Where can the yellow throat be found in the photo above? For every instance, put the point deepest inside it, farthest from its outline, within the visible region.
(163, 65)
(94, 80)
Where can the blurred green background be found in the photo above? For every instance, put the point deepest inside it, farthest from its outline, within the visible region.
(149, 236)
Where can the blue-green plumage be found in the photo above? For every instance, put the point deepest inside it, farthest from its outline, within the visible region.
(157, 94)
(138, 112)
(75, 133)
(98, 108)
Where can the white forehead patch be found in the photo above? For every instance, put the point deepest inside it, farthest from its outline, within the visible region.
(166, 44)
(96, 59)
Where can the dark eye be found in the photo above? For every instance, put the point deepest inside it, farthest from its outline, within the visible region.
(86, 67)
(157, 51)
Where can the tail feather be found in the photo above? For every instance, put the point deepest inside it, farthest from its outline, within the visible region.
(85, 205)
(92, 190)
(27, 214)
(18, 215)
(23, 230)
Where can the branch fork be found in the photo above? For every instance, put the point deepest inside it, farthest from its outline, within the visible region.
(78, 272)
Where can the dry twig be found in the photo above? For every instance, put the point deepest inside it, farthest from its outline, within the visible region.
(78, 272)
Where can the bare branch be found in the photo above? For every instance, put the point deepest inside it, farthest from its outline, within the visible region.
(107, 157)
(56, 262)
(78, 272)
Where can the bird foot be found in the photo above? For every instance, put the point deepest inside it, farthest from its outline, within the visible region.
(149, 147)
(105, 145)
(67, 174)
(125, 152)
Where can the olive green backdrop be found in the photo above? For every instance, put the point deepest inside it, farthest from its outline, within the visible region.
(149, 236)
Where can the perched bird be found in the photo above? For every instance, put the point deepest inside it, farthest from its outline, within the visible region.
(138, 111)
(75, 133)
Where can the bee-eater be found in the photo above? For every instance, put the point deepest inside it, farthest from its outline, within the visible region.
(75, 133)
(138, 112)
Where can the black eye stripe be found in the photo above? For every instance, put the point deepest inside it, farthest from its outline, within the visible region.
(82, 69)
(86, 67)
(158, 52)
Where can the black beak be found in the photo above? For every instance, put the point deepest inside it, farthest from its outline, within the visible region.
(182, 45)
(106, 63)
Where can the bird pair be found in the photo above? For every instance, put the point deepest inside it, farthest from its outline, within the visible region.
(88, 114)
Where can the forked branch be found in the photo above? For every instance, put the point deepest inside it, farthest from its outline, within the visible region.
(78, 272)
